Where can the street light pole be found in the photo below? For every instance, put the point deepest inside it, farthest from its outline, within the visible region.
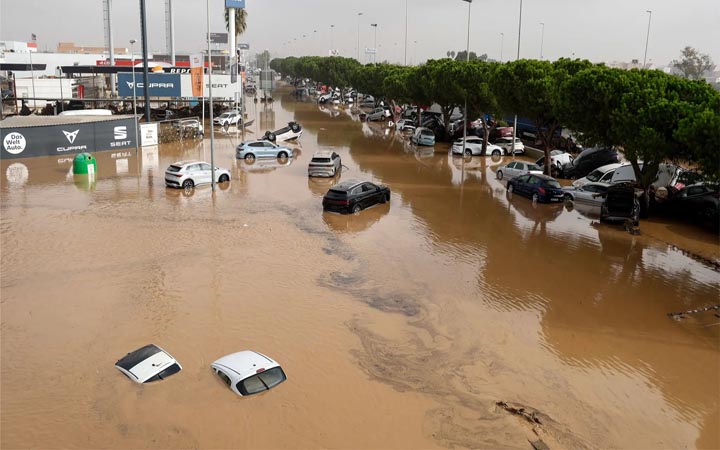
(467, 59)
(542, 38)
(406, 22)
(502, 39)
(132, 59)
(512, 145)
(374, 25)
(332, 27)
(647, 39)
(358, 36)
(212, 128)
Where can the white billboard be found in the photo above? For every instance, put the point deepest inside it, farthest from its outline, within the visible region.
(221, 87)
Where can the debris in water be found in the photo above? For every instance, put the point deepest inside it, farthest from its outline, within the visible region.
(682, 314)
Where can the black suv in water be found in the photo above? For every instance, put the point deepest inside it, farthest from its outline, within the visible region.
(353, 196)
(589, 160)
(621, 204)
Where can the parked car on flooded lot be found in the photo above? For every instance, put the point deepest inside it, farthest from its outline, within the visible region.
(592, 193)
(539, 187)
(377, 114)
(262, 149)
(516, 168)
(188, 174)
(699, 203)
(473, 147)
(589, 160)
(227, 119)
(602, 174)
(353, 196)
(147, 364)
(506, 143)
(249, 372)
(405, 125)
(621, 204)
(324, 163)
(558, 159)
(423, 136)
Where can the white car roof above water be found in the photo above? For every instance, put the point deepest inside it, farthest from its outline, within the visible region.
(246, 363)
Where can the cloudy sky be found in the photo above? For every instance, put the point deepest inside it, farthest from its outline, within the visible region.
(607, 30)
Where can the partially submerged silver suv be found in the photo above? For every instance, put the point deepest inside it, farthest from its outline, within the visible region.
(324, 163)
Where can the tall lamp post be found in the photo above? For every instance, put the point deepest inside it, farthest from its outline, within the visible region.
(406, 22)
(502, 39)
(358, 36)
(542, 38)
(132, 59)
(647, 38)
(374, 25)
(212, 128)
(467, 59)
(512, 146)
(332, 53)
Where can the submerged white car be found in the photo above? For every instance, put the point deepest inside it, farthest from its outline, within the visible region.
(473, 147)
(293, 130)
(148, 364)
(249, 372)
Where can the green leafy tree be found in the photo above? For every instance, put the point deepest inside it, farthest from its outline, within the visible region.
(439, 81)
(693, 64)
(530, 88)
(476, 78)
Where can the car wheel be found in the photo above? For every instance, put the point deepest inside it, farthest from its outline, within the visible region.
(223, 178)
(510, 188)
(535, 197)
(356, 209)
(468, 152)
(188, 184)
(282, 155)
(496, 153)
(568, 198)
(271, 137)
(249, 157)
(499, 175)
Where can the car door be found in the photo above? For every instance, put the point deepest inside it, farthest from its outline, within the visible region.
(521, 184)
(337, 164)
(369, 193)
(520, 168)
(269, 149)
(510, 170)
(205, 173)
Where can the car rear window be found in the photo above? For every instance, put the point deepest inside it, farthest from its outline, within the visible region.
(320, 160)
(427, 133)
(533, 167)
(174, 168)
(338, 192)
(262, 381)
(552, 184)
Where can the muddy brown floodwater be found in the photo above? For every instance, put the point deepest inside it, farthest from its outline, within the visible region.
(401, 327)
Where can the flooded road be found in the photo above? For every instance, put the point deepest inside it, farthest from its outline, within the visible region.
(401, 327)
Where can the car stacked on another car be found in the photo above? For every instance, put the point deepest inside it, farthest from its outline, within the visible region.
(539, 187)
(324, 163)
(262, 149)
(558, 159)
(589, 160)
(602, 174)
(473, 147)
(188, 174)
(352, 196)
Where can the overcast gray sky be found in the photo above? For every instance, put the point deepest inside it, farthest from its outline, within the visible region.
(607, 30)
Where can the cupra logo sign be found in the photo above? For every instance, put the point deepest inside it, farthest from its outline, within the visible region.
(71, 135)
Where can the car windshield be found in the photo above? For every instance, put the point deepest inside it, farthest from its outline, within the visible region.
(262, 381)
(533, 167)
(224, 116)
(595, 175)
(552, 184)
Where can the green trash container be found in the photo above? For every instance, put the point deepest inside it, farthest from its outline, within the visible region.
(84, 164)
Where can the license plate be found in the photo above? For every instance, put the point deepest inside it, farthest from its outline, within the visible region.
(555, 199)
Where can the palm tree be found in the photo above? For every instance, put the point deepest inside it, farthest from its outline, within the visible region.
(240, 21)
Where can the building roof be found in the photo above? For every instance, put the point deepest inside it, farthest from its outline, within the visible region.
(43, 121)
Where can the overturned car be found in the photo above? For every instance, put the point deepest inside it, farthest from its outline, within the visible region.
(292, 131)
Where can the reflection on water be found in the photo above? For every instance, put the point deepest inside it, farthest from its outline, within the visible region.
(428, 310)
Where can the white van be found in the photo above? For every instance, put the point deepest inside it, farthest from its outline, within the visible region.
(624, 173)
(602, 174)
(87, 112)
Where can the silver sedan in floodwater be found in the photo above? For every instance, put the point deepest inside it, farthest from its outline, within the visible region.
(262, 149)
(590, 193)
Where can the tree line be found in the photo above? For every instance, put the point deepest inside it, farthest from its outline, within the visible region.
(651, 116)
